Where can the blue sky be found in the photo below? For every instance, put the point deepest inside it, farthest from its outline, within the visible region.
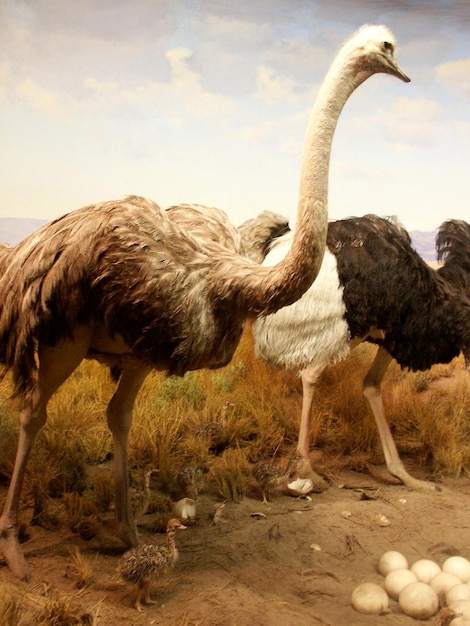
(207, 101)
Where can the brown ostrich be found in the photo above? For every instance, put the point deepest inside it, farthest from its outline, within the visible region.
(139, 498)
(192, 479)
(268, 475)
(215, 434)
(5, 249)
(145, 563)
(139, 288)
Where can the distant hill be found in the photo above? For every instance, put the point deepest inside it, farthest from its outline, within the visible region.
(15, 229)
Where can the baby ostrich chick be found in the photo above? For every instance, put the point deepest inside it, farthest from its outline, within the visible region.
(446, 616)
(268, 475)
(139, 498)
(215, 433)
(192, 480)
(143, 564)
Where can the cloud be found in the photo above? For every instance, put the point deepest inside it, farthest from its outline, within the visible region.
(40, 99)
(272, 87)
(181, 96)
(346, 170)
(454, 76)
(263, 133)
(414, 123)
(299, 58)
(230, 31)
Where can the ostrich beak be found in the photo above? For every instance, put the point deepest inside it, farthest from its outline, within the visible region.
(399, 73)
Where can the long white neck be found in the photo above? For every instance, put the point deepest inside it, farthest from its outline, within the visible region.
(342, 79)
(264, 290)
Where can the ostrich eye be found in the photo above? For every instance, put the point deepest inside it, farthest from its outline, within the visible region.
(388, 46)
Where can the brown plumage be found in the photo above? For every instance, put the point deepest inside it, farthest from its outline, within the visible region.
(139, 288)
(268, 475)
(139, 497)
(446, 616)
(5, 249)
(145, 563)
(258, 234)
(192, 479)
(215, 434)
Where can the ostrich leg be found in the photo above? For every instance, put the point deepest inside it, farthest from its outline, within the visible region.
(119, 415)
(372, 391)
(55, 366)
(303, 467)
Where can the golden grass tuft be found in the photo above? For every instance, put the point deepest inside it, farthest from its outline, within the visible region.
(229, 473)
(82, 515)
(103, 489)
(62, 610)
(159, 502)
(10, 603)
(80, 568)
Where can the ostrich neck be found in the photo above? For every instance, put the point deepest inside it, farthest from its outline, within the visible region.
(264, 290)
(306, 253)
(172, 551)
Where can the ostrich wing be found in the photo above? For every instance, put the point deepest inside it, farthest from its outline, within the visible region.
(127, 267)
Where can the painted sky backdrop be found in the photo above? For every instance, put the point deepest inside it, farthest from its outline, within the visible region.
(207, 101)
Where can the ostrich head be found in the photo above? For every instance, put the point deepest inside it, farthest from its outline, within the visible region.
(373, 50)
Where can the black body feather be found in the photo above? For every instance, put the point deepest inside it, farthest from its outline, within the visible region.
(424, 313)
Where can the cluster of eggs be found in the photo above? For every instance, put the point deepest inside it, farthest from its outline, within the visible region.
(419, 589)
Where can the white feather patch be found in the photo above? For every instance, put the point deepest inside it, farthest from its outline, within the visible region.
(312, 331)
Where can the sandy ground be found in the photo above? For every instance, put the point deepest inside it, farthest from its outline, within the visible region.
(293, 562)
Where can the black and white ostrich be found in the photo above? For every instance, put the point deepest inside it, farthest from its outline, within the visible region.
(372, 286)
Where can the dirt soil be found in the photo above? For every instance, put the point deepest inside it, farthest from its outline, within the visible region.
(293, 562)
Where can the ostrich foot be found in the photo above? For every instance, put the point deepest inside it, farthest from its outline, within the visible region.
(302, 468)
(418, 485)
(398, 475)
(139, 607)
(11, 550)
(143, 597)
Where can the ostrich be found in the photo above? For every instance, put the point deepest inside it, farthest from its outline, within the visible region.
(139, 288)
(215, 434)
(372, 286)
(192, 480)
(5, 249)
(143, 564)
(268, 475)
(139, 498)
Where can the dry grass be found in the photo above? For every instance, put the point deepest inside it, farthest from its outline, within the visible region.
(62, 610)
(427, 421)
(32, 609)
(229, 472)
(10, 603)
(80, 568)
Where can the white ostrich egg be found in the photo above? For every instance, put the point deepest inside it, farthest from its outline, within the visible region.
(458, 565)
(418, 600)
(396, 581)
(392, 560)
(425, 569)
(370, 599)
(443, 581)
(458, 592)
